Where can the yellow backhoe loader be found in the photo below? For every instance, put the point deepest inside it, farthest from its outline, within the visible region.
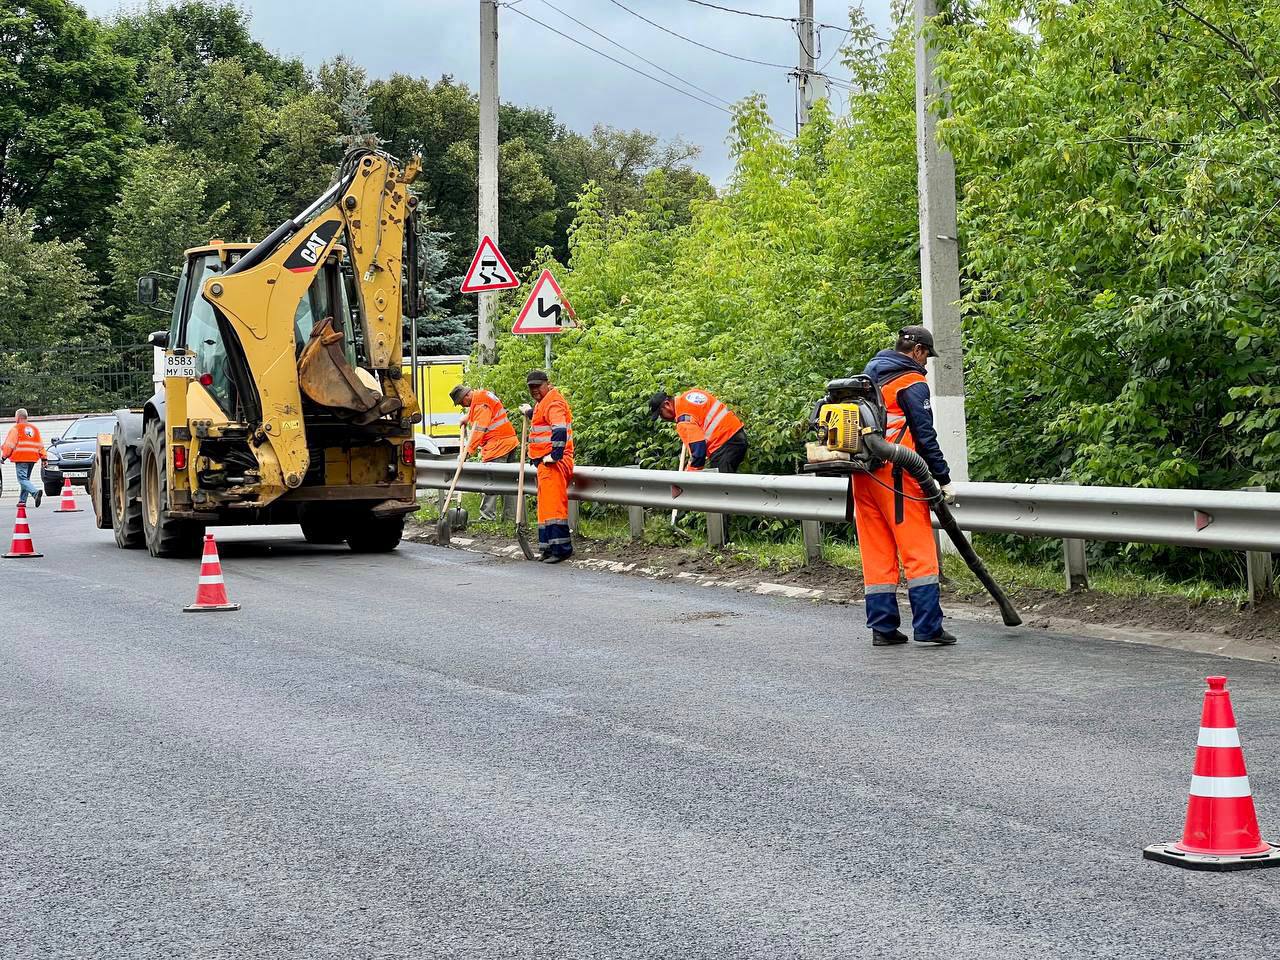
(283, 399)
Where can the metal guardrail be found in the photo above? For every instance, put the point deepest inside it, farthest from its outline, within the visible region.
(1210, 519)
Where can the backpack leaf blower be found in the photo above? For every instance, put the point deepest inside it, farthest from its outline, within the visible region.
(850, 423)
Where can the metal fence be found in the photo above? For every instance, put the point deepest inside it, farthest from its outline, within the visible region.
(1237, 520)
(66, 379)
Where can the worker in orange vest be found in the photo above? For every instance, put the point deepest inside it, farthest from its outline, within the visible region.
(892, 515)
(24, 447)
(551, 449)
(712, 432)
(492, 435)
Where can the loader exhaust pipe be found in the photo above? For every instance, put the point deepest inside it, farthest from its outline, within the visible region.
(914, 464)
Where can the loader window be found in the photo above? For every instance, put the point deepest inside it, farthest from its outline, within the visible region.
(204, 338)
(318, 303)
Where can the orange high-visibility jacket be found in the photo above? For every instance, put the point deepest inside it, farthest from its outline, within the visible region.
(491, 432)
(702, 419)
(23, 444)
(551, 431)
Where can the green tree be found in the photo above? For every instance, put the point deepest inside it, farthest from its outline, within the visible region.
(66, 118)
(165, 207)
(52, 344)
(441, 330)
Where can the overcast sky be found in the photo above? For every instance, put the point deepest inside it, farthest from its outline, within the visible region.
(539, 68)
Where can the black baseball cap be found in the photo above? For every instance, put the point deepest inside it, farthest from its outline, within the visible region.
(536, 376)
(655, 404)
(920, 335)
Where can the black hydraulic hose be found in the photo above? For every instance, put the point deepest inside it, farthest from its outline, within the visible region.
(914, 464)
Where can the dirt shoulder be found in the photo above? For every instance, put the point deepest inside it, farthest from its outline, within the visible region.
(1213, 626)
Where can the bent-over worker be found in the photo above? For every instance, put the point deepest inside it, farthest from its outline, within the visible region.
(24, 447)
(712, 432)
(492, 435)
(551, 449)
(892, 515)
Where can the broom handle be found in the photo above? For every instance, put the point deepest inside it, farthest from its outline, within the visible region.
(684, 449)
(524, 436)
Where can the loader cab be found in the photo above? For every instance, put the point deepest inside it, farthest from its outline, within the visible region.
(194, 323)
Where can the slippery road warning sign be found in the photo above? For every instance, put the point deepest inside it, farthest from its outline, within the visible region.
(547, 310)
(489, 270)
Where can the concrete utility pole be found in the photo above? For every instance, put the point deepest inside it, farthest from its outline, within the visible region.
(488, 174)
(809, 87)
(939, 255)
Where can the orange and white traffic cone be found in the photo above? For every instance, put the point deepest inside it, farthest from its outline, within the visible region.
(1221, 832)
(68, 504)
(211, 593)
(22, 547)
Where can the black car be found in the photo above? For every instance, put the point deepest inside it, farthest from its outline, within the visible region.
(71, 455)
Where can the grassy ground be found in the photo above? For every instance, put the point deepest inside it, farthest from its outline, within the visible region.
(782, 550)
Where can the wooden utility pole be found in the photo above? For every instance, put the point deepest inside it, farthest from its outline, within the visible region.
(939, 254)
(488, 173)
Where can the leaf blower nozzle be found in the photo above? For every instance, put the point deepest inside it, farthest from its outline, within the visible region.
(914, 464)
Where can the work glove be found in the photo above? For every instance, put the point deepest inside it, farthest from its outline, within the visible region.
(949, 495)
(526, 410)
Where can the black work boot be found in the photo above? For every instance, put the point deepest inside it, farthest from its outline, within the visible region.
(890, 639)
(942, 639)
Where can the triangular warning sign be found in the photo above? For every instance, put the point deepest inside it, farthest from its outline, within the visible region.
(547, 310)
(489, 270)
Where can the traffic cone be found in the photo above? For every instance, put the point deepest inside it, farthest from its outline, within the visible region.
(22, 546)
(68, 504)
(1221, 832)
(211, 593)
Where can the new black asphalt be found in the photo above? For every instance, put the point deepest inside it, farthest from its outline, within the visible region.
(437, 754)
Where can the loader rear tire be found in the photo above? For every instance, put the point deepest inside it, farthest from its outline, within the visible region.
(165, 536)
(324, 526)
(376, 536)
(126, 492)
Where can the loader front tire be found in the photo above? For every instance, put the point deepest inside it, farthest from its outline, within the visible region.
(126, 491)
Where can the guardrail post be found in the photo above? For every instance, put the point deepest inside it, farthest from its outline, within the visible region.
(1259, 569)
(1076, 564)
(812, 532)
(715, 524)
(575, 512)
(635, 521)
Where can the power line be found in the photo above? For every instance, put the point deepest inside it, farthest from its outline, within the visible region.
(743, 13)
(723, 53)
(647, 76)
(620, 46)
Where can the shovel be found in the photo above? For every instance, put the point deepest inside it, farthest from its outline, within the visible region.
(451, 517)
(521, 536)
(675, 514)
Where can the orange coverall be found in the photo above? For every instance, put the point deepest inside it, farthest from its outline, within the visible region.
(551, 447)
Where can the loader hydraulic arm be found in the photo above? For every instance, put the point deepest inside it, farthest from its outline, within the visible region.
(367, 210)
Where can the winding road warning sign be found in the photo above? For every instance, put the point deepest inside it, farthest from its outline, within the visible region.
(547, 310)
(489, 270)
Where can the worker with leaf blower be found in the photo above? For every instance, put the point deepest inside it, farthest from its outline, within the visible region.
(890, 508)
(492, 435)
(712, 432)
(551, 450)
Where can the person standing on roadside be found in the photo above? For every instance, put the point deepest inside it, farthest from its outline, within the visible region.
(493, 435)
(24, 447)
(551, 449)
(892, 515)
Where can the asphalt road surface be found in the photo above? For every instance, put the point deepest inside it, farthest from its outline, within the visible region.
(437, 754)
